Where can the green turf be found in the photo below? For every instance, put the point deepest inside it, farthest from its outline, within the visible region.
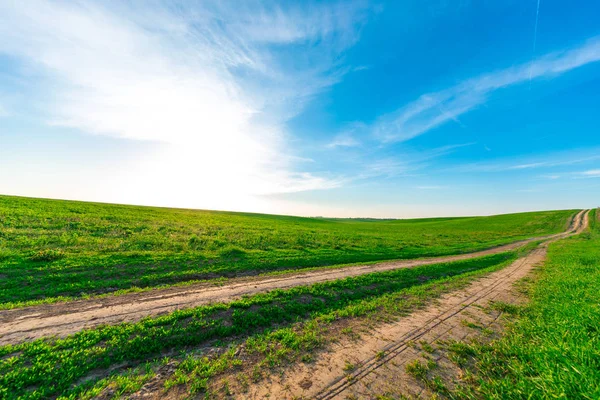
(551, 349)
(51, 248)
(45, 368)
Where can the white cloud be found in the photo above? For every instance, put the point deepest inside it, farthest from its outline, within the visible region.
(201, 79)
(551, 176)
(343, 140)
(434, 109)
(407, 162)
(592, 173)
(388, 168)
(541, 161)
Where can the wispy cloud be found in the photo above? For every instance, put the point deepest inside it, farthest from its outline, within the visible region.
(343, 140)
(210, 80)
(549, 160)
(407, 162)
(592, 173)
(434, 109)
(361, 68)
(389, 168)
(551, 176)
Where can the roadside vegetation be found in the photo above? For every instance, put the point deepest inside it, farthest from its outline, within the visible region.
(52, 250)
(551, 347)
(252, 335)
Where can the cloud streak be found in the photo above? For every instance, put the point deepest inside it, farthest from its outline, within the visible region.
(343, 140)
(592, 173)
(210, 81)
(531, 163)
(408, 163)
(434, 109)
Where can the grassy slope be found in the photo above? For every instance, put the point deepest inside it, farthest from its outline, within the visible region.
(51, 248)
(552, 347)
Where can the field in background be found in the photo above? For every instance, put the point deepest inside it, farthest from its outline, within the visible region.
(51, 248)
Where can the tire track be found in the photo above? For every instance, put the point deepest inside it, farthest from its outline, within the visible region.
(62, 319)
(397, 348)
(446, 317)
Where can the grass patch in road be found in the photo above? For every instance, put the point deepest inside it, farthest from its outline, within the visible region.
(45, 368)
(53, 249)
(419, 369)
(551, 347)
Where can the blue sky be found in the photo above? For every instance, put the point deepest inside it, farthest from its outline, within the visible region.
(382, 109)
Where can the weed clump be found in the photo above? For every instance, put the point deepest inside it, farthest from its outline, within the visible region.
(417, 369)
(195, 242)
(232, 252)
(46, 255)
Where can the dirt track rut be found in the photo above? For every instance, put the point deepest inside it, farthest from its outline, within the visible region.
(62, 319)
(380, 357)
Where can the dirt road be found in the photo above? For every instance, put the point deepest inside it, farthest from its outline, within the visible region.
(62, 319)
(380, 357)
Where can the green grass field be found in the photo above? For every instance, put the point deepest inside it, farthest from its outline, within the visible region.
(279, 326)
(51, 248)
(551, 349)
